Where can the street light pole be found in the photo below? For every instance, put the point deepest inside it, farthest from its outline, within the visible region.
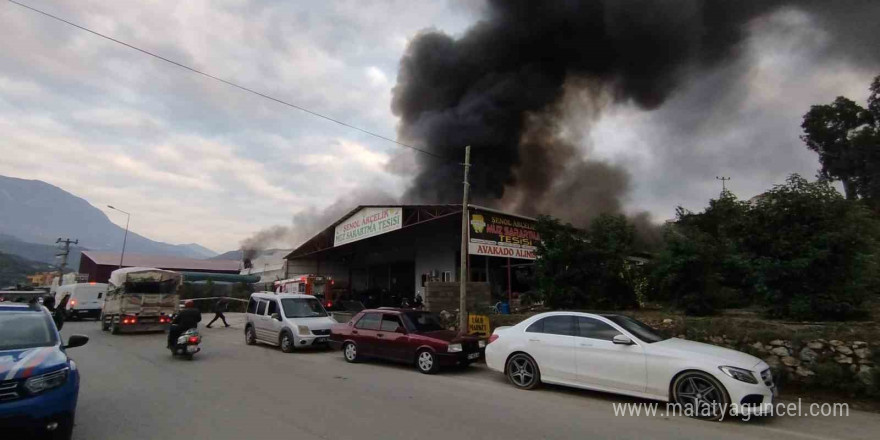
(124, 237)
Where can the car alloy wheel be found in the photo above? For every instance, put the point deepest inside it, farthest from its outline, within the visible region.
(350, 352)
(426, 362)
(286, 343)
(523, 372)
(250, 338)
(700, 395)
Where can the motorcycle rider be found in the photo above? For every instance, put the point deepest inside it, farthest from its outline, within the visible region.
(186, 319)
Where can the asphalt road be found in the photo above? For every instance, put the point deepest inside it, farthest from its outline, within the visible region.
(133, 389)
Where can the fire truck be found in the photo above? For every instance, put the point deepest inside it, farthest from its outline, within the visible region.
(318, 286)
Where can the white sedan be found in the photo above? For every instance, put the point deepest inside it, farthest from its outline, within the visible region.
(618, 354)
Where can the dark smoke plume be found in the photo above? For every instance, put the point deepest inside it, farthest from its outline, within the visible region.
(502, 88)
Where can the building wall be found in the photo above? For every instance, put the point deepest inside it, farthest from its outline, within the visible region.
(100, 273)
(428, 247)
(446, 296)
(436, 253)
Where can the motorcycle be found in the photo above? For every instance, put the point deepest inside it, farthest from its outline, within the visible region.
(187, 344)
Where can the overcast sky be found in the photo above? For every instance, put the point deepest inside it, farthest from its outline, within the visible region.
(195, 160)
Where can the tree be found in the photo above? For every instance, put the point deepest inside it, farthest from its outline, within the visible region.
(703, 267)
(847, 136)
(814, 252)
(801, 250)
(586, 268)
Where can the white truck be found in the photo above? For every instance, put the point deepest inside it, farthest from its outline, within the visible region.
(83, 299)
(141, 299)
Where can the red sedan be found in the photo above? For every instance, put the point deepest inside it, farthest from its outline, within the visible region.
(409, 336)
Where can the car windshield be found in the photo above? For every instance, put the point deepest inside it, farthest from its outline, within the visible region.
(26, 330)
(424, 321)
(302, 308)
(637, 328)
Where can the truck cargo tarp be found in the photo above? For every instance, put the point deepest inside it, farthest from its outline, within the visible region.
(137, 275)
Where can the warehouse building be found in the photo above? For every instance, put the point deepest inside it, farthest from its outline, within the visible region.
(382, 254)
(98, 265)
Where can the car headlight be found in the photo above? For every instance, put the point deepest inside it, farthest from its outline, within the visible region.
(303, 330)
(482, 343)
(454, 348)
(739, 374)
(43, 382)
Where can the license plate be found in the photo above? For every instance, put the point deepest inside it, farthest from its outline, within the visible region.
(191, 348)
(320, 340)
(473, 355)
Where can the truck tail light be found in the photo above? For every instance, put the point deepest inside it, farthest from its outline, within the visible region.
(73, 302)
(129, 320)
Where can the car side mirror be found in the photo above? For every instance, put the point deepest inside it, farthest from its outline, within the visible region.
(76, 341)
(276, 316)
(622, 340)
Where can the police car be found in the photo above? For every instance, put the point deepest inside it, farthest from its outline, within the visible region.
(39, 383)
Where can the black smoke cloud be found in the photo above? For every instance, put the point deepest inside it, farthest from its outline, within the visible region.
(502, 88)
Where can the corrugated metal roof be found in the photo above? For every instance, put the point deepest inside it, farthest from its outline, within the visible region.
(162, 262)
(333, 225)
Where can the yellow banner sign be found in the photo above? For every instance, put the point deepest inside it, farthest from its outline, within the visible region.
(479, 325)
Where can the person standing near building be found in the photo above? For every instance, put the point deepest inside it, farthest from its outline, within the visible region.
(222, 305)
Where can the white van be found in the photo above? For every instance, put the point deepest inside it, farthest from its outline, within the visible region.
(287, 320)
(86, 299)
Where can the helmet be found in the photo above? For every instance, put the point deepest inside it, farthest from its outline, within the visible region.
(190, 304)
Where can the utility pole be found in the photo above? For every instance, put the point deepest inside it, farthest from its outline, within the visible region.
(64, 252)
(723, 183)
(462, 279)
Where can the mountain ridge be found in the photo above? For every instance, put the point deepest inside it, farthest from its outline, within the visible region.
(38, 213)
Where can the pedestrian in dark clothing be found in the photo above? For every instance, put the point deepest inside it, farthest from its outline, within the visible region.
(186, 319)
(222, 305)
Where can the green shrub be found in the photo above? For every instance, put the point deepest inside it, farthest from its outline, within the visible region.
(579, 269)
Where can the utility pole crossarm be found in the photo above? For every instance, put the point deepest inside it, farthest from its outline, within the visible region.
(64, 252)
(723, 183)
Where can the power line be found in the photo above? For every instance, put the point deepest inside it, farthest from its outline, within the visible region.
(263, 95)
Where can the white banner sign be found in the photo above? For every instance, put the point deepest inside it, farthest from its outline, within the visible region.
(368, 222)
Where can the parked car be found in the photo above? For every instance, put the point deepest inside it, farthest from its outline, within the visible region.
(39, 383)
(618, 354)
(287, 320)
(403, 335)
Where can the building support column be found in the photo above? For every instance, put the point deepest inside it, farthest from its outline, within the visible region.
(509, 285)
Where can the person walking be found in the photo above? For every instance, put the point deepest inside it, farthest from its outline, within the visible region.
(222, 305)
